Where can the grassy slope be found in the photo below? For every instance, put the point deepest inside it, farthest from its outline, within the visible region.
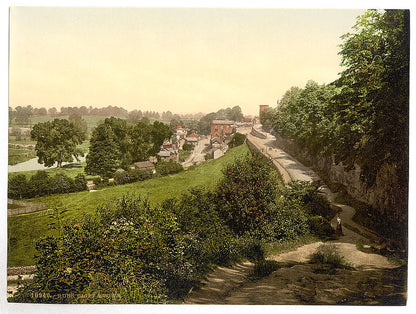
(24, 230)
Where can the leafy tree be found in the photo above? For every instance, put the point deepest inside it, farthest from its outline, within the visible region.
(373, 104)
(266, 118)
(159, 132)
(17, 186)
(237, 140)
(79, 123)
(57, 141)
(245, 193)
(104, 154)
(305, 116)
(40, 184)
(168, 167)
(141, 146)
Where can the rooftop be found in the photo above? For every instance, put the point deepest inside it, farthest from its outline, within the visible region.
(222, 122)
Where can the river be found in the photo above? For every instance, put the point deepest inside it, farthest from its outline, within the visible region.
(33, 164)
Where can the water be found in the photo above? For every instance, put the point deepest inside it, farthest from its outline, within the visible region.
(33, 164)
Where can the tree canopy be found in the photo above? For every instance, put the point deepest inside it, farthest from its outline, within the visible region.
(362, 118)
(373, 103)
(57, 141)
(115, 143)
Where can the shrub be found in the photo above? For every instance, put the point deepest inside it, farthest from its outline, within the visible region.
(131, 176)
(265, 268)
(308, 196)
(17, 186)
(320, 226)
(80, 183)
(164, 168)
(328, 254)
(252, 248)
(287, 220)
(237, 140)
(61, 183)
(245, 192)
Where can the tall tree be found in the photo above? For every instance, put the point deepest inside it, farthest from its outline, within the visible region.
(374, 101)
(57, 141)
(104, 154)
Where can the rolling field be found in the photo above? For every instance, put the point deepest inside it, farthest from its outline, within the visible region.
(25, 230)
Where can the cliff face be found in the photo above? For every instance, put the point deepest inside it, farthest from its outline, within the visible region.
(385, 195)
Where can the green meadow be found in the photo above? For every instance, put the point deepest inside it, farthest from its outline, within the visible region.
(25, 230)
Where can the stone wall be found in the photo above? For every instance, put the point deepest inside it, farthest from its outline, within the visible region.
(385, 194)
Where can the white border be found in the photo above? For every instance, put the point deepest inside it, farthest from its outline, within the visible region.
(41, 308)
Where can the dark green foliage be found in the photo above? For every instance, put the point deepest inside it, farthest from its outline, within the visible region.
(304, 115)
(188, 147)
(17, 186)
(373, 105)
(62, 184)
(245, 192)
(328, 254)
(237, 140)
(266, 118)
(116, 144)
(265, 268)
(320, 226)
(104, 152)
(363, 117)
(42, 184)
(309, 198)
(252, 248)
(164, 168)
(287, 220)
(57, 141)
(131, 176)
(132, 251)
(80, 182)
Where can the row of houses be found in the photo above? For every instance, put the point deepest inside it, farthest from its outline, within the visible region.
(170, 148)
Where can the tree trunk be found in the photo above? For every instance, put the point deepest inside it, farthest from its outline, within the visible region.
(59, 164)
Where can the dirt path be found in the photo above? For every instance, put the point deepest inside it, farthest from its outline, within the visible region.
(374, 279)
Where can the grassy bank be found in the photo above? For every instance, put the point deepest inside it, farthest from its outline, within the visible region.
(18, 154)
(25, 230)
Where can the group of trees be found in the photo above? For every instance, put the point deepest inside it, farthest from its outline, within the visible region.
(363, 117)
(57, 141)
(116, 144)
(134, 252)
(41, 184)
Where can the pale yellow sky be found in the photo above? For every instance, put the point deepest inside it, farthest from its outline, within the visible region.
(177, 59)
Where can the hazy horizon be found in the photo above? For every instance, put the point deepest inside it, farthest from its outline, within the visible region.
(185, 60)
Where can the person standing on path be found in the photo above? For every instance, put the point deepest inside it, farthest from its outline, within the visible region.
(338, 230)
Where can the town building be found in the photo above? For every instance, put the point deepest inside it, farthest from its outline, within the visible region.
(192, 138)
(221, 128)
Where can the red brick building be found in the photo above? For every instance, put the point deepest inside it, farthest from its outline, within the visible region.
(220, 128)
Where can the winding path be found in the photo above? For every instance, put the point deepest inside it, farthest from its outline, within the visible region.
(299, 284)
